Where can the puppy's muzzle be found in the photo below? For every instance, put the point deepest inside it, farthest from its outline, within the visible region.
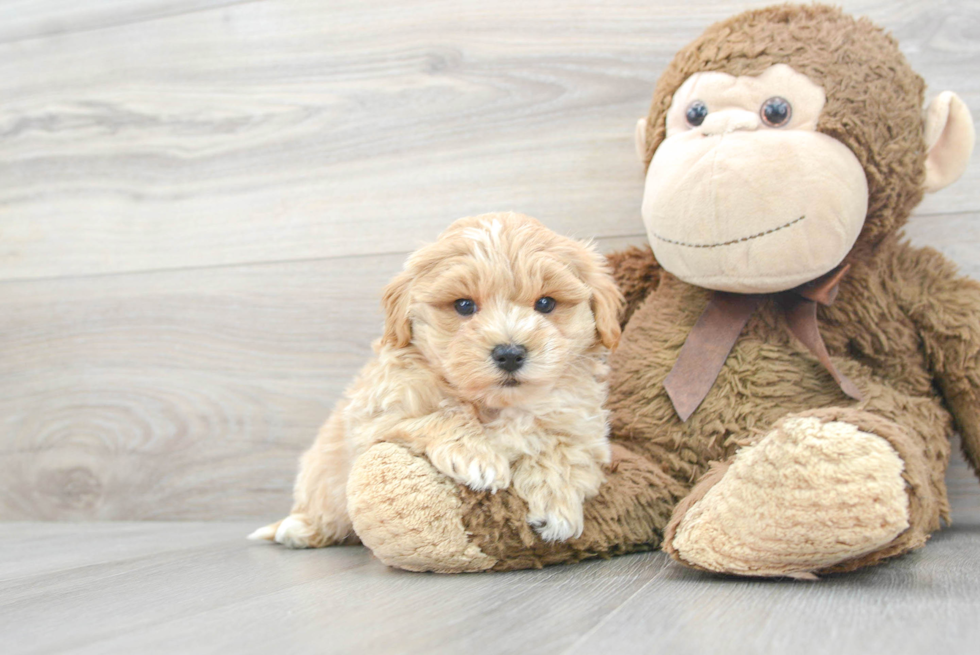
(509, 357)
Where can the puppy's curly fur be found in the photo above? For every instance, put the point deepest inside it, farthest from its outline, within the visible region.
(435, 387)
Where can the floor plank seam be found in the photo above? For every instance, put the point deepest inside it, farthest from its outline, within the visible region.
(217, 606)
(249, 264)
(357, 256)
(667, 564)
(176, 554)
(138, 21)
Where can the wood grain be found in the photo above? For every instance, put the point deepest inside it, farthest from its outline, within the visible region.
(44, 549)
(200, 201)
(202, 589)
(178, 394)
(22, 20)
(281, 131)
(921, 603)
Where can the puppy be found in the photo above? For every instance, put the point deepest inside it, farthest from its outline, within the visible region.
(492, 365)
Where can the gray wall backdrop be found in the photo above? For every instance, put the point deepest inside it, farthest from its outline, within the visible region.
(201, 199)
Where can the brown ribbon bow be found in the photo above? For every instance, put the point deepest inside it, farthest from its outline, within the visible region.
(714, 335)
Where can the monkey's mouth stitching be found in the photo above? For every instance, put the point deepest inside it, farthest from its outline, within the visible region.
(727, 243)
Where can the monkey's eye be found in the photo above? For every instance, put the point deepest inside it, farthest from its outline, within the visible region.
(465, 306)
(776, 111)
(696, 111)
(544, 305)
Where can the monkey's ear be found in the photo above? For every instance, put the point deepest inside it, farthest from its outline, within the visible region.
(398, 325)
(949, 140)
(640, 140)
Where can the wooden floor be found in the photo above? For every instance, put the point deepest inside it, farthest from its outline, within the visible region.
(141, 587)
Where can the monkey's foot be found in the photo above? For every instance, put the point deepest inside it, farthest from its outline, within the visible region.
(812, 494)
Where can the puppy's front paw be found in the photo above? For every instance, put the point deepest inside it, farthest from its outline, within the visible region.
(557, 524)
(475, 465)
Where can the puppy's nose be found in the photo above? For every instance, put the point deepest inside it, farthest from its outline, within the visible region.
(509, 357)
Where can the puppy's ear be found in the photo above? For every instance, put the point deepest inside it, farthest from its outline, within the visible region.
(398, 326)
(607, 300)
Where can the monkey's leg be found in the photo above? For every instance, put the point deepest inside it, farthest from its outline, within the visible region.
(413, 517)
(828, 490)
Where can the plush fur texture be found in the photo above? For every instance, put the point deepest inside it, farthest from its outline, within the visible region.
(737, 205)
(870, 90)
(810, 494)
(435, 388)
(904, 327)
(409, 513)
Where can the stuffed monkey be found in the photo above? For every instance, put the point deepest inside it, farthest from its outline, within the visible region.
(791, 370)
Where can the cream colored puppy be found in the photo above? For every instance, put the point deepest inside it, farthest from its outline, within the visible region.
(492, 365)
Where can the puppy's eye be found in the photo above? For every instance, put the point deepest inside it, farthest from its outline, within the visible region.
(696, 113)
(544, 305)
(776, 111)
(465, 307)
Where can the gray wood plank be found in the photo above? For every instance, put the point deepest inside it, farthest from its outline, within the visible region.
(185, 394)
(258, 597)
(34, 549)
(925, 602)
(220, 594)
(21, 20)
(70, 608)
(280, 131)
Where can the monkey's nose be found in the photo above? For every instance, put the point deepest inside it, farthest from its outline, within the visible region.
(728, 121)
(509, 357)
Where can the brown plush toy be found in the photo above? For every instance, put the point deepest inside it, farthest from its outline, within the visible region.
(791, 370)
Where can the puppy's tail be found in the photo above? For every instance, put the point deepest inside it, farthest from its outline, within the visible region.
(267, 533)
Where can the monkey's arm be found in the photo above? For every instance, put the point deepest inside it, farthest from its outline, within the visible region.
(945, 307)
(637, 273)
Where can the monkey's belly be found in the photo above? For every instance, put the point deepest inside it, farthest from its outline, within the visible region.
(767, 376)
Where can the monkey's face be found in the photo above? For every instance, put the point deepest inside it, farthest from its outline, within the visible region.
(743, 194)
